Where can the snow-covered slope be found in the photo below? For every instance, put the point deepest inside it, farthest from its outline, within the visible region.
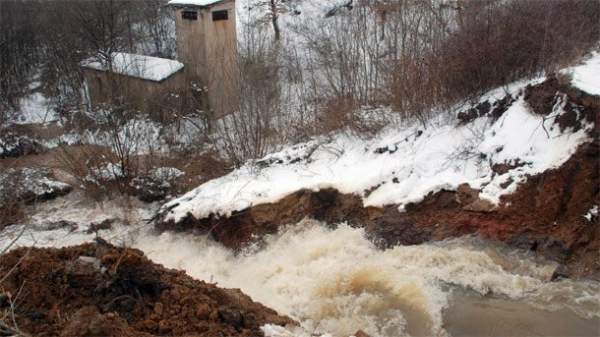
(587, 75)
(404, 163)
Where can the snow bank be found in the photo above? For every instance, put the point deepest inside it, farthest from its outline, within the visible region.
(587, 75)
(139, 66)
(400, 166)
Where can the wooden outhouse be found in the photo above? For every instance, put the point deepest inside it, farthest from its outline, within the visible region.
(207, 45)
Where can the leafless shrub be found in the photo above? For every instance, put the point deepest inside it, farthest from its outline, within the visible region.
(19, 36)
(11, 206)
(480, 45)
(251, 129)
(11, 212)
(496, 42)
(8, 317)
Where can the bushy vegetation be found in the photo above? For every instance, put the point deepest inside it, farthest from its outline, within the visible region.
(296, 80)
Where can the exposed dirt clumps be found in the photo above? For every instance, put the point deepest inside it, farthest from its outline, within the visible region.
(486, 109)
(579, 106)
(101, 290)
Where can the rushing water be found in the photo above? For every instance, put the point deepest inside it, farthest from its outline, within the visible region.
(336, 281)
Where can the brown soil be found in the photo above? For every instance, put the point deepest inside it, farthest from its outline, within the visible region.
(579, 106)
(101, 290)
(235, 231)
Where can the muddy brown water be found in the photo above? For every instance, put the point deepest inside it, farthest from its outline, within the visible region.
(470, 315)
(336, 281)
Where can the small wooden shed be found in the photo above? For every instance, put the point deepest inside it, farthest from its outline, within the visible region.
(138, 80)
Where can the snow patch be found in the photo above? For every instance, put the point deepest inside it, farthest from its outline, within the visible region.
(593, 212)
(200, 3)
(140, 66)
(587, 75)
(34, 109)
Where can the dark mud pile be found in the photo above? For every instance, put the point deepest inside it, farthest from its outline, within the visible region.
(101, 290)
(545, 214)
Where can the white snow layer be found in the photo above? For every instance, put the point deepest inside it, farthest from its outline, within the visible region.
(140, 66)
(587, 75)
(194, 2)
(591, 213)
(34, 109)
(402, 165)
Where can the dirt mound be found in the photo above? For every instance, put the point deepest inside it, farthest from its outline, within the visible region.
(578, 105)
(101, 290)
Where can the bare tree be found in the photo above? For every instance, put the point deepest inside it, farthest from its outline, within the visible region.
(271, 11)
(19, 53)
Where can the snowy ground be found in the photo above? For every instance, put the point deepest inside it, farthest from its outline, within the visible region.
(586, 76)
(34, 108)
(404, 163)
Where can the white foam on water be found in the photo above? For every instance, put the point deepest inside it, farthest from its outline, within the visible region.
(336, 281)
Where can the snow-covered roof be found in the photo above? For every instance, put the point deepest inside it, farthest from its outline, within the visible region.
(197, 3)
(140, 66)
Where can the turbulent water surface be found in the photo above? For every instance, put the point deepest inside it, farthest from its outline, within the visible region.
(336, 281)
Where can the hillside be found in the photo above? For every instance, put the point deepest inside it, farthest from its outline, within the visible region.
(518, 165)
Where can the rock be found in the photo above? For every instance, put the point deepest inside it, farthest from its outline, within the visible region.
(148, 189)
(156, 185)
(13, 145)
(466, 195)
(89, 322)
(91, 260)
(501, 106)
(361, 333)
(231, 317)
(481, 206)
(56, 225)
(203, 311)
(97, 226)
(502, 168)
(30, 185)
(158, 309)
(394, 228)
(479, 110)
(163, 326)
(554, 249)
(561, 272)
